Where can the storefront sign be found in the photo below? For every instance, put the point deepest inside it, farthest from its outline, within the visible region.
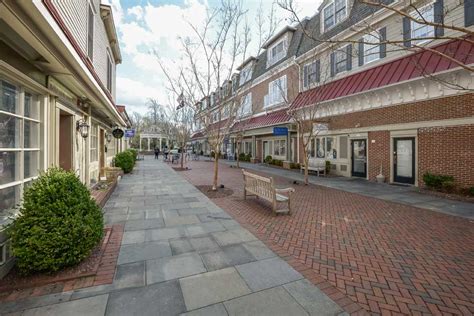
(117, 132)
(320, 127)
(129, 133)
(279, 131)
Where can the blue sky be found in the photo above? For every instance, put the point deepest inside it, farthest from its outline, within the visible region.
(145, 26)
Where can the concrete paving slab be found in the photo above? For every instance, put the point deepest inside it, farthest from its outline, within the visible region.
(193, 211)
(233, 236)
(271, 302)
(312, 299)
(258, 250)
(133, 237)
(267, 273)
(33, 302)
(213, 310)
(157, 299)
(91, 306)
(174, 267)
(212, 287)
(144, 224)
(136, 215)
(156, 213)
(130, 275)
(204, 243)
(164, 233)
(181, 220)
(180, 246)
(144, 251)
(226, 257)
(204, 228)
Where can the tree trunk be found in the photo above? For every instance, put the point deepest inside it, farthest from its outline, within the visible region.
(306, 170)
(182, 157)
(216, 171)
(238, 154)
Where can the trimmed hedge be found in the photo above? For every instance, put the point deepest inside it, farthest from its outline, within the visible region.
(125, 160)
(438, 182)
(59, 224)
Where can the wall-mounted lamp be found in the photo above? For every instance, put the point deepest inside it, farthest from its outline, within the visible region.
(83, 128)
(108, 137)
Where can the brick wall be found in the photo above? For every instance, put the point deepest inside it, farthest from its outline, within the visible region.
(437, 109)
(379, 153)
(447, 151)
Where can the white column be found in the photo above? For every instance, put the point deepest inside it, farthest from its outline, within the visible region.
(140, 142)
(160, 143)
(148, 144)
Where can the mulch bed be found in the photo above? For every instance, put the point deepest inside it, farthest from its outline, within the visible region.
(97, 269)
(449, 196)
(219, 193)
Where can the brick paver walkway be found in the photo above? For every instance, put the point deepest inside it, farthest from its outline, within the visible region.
(387, 257)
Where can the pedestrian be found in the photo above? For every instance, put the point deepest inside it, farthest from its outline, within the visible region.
(157, 152)
(165, 152)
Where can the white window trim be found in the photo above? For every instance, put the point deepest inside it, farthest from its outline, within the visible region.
(248, 71)
(335, 22)
(270, 85)
(310, 84)
(416, 15)
(347, 58)
(270, 60)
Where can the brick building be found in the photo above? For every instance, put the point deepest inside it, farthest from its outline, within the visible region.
(57, 79)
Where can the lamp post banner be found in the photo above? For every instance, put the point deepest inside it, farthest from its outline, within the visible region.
(129, 133)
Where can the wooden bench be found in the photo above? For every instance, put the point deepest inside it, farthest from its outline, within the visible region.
(315, 164)
(255, 185)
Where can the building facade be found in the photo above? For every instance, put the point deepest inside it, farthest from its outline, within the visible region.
(57, 77)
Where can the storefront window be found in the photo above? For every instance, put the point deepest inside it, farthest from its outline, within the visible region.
(331, 152)
(312, 152)
(320, 148)
(279, 147)
(19, 142)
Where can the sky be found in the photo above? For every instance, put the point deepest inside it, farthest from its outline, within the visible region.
(147, 26)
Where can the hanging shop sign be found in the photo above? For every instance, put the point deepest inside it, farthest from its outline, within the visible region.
(117, 132)
(129, 133)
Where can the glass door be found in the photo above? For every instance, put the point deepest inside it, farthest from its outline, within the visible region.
(359, 157)
(404, 160)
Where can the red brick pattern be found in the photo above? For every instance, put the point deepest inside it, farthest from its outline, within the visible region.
(447, 151)
(379, 154)
(104, 274)
(429, 110)
(385, 257)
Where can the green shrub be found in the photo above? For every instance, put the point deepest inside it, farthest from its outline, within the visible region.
(328, 166)
(248, 157)
(277, 162)
(268, 159)
(125, 160)
(471, 191)
(242, 157)
(295, 165)
(438, 182)
(59, 223)
(134, 153)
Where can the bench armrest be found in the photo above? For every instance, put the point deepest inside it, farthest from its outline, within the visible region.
(286, 190)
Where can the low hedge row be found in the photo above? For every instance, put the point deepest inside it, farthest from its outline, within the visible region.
(126, 160)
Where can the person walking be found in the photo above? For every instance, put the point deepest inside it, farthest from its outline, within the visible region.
(165, 153)
(157, 152)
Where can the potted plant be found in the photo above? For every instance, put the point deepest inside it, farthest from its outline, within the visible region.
(380, 177)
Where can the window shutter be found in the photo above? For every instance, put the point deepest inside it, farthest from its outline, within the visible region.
(468, 12)
(318, 70)
(438, 11)
(349, 57)
(361, 51)
(305, 76)
(333, 64)
(406, 32)
(383, 45)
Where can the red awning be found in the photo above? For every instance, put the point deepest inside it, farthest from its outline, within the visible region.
(406, 68)
(197, 135)
(277, 117)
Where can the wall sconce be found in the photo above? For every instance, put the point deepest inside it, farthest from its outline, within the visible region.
(83, 128)
(108, 137)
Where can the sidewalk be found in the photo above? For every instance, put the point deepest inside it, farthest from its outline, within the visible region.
(400, 194)
(181, 253)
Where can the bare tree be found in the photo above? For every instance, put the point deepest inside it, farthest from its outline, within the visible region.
(182, 119)
(412, 12)
(210, 57)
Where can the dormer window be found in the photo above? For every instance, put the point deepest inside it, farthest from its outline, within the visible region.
(246, 74)
(277, 51)
(333, 13)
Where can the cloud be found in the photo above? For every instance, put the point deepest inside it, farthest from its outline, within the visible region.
(143, 29)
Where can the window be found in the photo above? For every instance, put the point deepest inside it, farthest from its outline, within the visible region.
(420, 31)
(334, 13)
(276, 92)
(371, 47)
(326, 147)
(246, 104)
(111, 147)
(279, 147)
(311, 73)
(109, 73)
(246, 74)
(248, 147)
(90, 33)
(19, 142)
(277, 52)
(320, 148)
(340, 61)
(312, 152)
(93, 141)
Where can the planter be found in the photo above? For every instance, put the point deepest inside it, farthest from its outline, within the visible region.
(380, 178)
(112, 173)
